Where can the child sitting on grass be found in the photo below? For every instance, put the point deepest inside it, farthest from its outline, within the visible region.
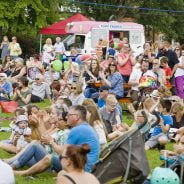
(21, 133)
(160, 131)
(20, 136)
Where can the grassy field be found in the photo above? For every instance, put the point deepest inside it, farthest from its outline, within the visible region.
(49, 178)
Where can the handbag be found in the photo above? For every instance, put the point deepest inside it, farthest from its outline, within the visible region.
(8, 107)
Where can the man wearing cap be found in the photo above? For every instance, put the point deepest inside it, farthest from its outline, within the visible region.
(104, 91)
(40, 89)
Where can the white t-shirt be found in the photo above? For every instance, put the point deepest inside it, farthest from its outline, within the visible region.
(59, 47)
(137, 74)
(6, 174)
(101, 133)
(180, 71)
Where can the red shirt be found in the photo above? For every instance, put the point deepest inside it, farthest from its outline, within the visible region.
(168, 72)
(126, 69)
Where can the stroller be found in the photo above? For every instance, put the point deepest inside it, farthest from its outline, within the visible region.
(124, 157)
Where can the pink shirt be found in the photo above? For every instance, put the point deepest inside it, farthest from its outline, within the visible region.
(126, 69)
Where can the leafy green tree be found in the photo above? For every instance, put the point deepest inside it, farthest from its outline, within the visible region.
(27, 16)
(170, 23)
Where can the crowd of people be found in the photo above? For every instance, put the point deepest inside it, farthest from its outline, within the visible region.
(85, 111)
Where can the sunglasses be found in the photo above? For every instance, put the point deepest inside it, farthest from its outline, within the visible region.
(73, 88)
(37, 79)
(62, 157)
(174, 112)
(112, 65)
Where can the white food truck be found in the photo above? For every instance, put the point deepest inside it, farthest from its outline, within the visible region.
(85, 34)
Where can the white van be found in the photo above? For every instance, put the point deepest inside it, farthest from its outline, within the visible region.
(85, 34)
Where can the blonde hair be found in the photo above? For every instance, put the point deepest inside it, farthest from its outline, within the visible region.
(79, 87)
(48, 41)
(111, 99)
(89, 101)
(178, 107)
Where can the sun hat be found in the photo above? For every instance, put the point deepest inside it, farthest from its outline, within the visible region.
(21, 118)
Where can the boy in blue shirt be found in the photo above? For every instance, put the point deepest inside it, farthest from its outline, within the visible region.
(160, 131)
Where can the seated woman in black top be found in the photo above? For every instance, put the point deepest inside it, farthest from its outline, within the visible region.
(91, 76)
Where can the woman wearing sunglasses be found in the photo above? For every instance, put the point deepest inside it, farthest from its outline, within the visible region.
(77, 95)
(114, 80)
(73, 161)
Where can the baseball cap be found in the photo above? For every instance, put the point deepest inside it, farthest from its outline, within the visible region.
(104, 88)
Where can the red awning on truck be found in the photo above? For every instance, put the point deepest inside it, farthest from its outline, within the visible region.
(59, 27)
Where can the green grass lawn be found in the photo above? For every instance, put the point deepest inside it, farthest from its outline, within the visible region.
(49, 178)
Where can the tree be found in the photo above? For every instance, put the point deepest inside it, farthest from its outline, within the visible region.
(27, 16)
(170, 23)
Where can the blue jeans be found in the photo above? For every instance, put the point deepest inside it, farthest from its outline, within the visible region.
(32, 154)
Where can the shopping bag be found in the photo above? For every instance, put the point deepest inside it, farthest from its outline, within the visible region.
(8, 107)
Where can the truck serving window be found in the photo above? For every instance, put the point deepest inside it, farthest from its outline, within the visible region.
(74, 41)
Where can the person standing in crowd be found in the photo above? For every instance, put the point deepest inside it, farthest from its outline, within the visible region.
(4, 47)
(111, 51)
(165, 50)
(15, 49)
(177, 50)
(178, 73)
(59, 46)
(48, 52)
(148, 53)
(135, 77)
(164, 64)
(159, 72)
(99, 51)
(73, 161)
(125, 62)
